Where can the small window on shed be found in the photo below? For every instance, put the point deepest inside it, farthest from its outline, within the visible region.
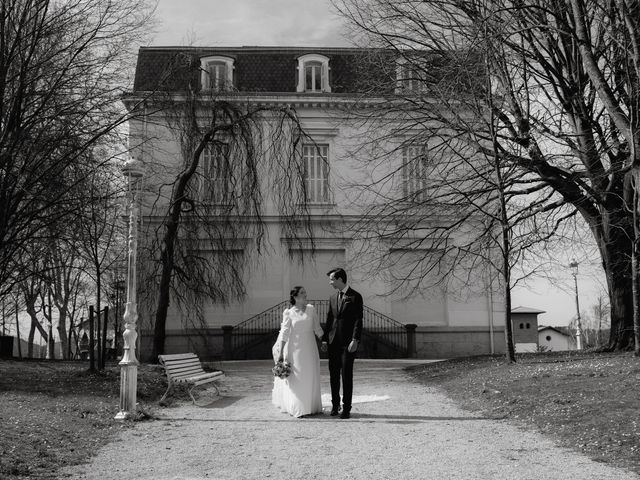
(548, 338)
(521, 326)
(528, 325)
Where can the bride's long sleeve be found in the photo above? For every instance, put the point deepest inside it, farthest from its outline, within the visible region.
(279, 352)
(317, 329)
(285, 326)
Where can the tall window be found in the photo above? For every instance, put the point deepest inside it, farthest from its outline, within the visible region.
(415, 164)
(216, 173)
(411, 76)
(313, 77)
(217, 73)
(316, 172)
(313, 74)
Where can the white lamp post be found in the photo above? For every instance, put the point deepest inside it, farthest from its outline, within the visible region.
(574, 271)
(132, 169)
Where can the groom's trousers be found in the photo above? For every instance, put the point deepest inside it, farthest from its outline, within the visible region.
(341, 365)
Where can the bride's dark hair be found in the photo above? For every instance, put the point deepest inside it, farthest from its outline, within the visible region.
(294, 293)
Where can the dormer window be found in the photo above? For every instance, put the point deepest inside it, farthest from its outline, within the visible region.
(410, 76)
(313, 74)
(217, 73)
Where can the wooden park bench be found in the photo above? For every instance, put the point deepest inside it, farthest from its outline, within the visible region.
(185, 368)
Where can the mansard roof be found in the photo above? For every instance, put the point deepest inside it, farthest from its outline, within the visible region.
(261, 69)
(273, 70)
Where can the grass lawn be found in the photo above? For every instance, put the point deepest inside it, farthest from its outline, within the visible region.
(57, 413)
(589, 402)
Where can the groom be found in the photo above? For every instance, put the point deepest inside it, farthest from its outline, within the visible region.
(341, 338)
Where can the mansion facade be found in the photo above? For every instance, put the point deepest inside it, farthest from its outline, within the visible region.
(324, 86)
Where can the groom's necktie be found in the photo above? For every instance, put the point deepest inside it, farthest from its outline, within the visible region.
(334, 326)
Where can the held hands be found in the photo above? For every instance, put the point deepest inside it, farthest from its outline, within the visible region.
(353, 346)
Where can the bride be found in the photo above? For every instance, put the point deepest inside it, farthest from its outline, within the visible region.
(299, 393)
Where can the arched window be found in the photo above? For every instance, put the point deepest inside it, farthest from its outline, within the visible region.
(216, 73)
(313, 74)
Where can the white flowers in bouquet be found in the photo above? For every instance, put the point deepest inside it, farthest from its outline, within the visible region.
(281, 369)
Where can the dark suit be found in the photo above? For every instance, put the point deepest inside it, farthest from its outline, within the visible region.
(344, 323)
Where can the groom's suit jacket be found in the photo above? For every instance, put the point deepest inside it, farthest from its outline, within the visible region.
(344, 318)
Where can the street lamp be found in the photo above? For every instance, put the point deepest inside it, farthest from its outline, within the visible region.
(134, 172)
(574, 271)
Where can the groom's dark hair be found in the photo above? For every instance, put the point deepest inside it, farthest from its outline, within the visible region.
(338, 273)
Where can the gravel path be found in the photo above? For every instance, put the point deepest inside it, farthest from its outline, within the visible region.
(398, 430)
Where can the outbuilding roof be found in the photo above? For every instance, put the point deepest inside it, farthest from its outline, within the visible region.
(543, 327)
(526, 310)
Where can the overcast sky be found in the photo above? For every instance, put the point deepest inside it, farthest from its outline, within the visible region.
(248, 22)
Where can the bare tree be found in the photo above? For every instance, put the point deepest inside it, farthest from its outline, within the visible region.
(62, 71)
(30, 289)
(100, 237)
(565, 96)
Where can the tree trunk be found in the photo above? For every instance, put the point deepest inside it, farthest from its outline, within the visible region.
(104, 335)
(508, 330)
(35, 325)
(506, 275)
(167, 255)
(18, 331)
(62, 332)
(30, 339)
(616, 252)
(164, 291)
(635, 264)
(51, 344)
(92, 345)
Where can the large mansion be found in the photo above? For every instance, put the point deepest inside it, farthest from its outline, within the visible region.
(326, 88)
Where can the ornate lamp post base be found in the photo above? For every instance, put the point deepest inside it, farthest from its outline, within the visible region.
(128, 387)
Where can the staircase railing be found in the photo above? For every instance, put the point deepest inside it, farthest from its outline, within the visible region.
(378, 329)
(386, 330)
(254, 330)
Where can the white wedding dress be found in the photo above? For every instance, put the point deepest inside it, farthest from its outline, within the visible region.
(299, 393)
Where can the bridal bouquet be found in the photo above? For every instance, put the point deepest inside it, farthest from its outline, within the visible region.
(281, 369)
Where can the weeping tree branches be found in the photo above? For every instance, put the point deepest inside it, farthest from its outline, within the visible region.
(231, 177)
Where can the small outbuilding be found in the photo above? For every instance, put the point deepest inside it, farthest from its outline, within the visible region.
(524, 322)
(554, 339)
